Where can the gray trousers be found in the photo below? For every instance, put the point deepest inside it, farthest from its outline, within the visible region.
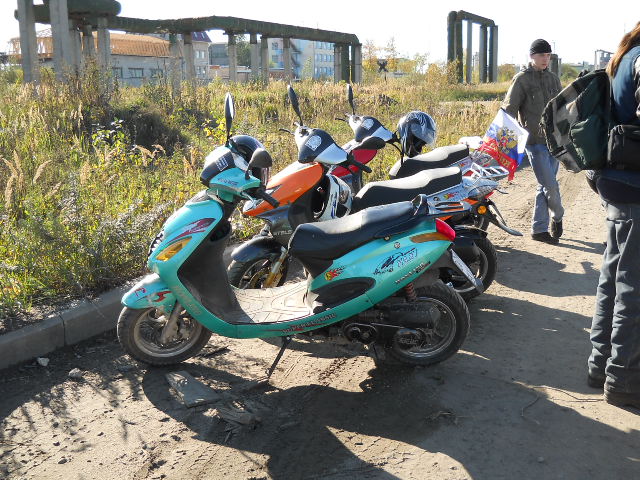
(547, 200)
(615, 330)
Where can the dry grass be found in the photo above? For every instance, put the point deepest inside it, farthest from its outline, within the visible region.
(88, 175)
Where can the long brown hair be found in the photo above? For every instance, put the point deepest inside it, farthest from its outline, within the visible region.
(629, 41)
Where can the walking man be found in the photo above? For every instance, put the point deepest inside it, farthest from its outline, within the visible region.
(528, 94)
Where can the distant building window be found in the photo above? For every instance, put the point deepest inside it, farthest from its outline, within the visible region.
(117, 72)
(157, 73)
(136, 72)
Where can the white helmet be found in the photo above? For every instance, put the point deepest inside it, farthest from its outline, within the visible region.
(332, 199)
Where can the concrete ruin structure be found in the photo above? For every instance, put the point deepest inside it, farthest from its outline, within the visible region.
(487, 52)
(74, 21)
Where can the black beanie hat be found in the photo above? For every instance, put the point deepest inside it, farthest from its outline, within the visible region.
(540, 46)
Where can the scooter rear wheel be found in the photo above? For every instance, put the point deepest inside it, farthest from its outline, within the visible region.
(139, 334)
(440, 332)
(253, 273)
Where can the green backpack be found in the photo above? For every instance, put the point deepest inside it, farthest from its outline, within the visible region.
(576, 123)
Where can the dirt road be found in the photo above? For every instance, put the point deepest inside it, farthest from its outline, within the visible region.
(513, 404)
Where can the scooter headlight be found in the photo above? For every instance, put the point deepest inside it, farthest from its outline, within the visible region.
(172, 249)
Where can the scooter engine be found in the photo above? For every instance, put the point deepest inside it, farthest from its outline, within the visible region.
(360, 332)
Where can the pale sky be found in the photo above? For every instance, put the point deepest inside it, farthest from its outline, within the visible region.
(575, 29)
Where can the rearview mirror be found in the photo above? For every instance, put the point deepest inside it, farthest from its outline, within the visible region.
(229, 112)
(260, 159)
(293, 98)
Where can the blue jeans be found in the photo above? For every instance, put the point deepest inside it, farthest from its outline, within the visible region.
(615, 330)
(545, 168)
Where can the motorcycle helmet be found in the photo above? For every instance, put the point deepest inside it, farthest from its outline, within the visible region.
(332, 199)
(245, 146)
(415, 130)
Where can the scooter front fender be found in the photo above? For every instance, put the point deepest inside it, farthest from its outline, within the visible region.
(497, 219)
(151, 291)
(258, 247)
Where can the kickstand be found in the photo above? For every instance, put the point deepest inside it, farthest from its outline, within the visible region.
(285, 343)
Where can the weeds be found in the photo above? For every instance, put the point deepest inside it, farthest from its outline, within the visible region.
(88, 174)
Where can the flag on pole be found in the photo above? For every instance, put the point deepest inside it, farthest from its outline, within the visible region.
(505, 141)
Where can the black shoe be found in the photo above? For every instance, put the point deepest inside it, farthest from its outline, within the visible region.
(556, 229)
(622, 399)
(544, 237)
(596, 380)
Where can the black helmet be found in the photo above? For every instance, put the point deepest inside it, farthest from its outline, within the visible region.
(415, 130)
(245, 146)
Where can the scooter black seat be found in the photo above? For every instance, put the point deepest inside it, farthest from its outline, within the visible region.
(440, 157)
(426, 182)
(317, 244)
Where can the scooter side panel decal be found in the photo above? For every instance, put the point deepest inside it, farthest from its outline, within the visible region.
(151, 291)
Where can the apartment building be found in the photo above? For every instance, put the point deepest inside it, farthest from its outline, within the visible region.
(308, 58)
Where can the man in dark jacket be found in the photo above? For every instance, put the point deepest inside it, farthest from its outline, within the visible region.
(528, 94)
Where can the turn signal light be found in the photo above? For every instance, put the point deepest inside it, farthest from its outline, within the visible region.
(443, 232)
(482, 210)
(172, 249)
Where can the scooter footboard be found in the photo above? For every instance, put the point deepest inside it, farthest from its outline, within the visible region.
(151, 291)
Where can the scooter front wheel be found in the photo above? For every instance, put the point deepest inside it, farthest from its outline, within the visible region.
(439, 324)
(139, 333)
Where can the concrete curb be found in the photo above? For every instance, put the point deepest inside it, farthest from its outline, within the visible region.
(81, 322)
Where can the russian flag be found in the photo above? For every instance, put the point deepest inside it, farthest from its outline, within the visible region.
(505, 141)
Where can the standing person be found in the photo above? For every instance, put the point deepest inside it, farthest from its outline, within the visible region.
(615, 331)
(528, 94)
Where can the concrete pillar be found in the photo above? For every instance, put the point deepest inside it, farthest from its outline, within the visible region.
(459, 49)
(482, 60)
(337, 62)
(468, 76)
(356, 58)
(288, 69)
(190, 68)
(62, 43)
(345, 63)
(176, 63)
(493, 54)
(451, 36)
(104, 45)
(233, 58)
(76, 48)
(255, 56)
(264, 58)
(28, 42)
(88, 46)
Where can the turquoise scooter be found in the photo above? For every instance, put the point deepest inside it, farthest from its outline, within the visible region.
(371, 277)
